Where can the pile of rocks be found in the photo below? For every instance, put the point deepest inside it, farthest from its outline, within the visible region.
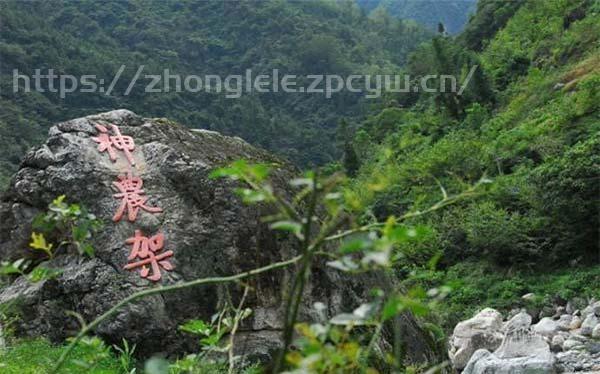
(568, 341)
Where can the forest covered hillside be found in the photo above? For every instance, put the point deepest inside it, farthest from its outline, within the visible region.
(529, 125)
(412, 212)
(191, 37)
(453, 14)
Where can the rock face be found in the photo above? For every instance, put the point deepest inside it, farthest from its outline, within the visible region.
(521, 351)
(206, 226)
(480, 332)
(553, 345)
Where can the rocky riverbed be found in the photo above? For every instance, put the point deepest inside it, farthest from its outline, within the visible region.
(567, 341)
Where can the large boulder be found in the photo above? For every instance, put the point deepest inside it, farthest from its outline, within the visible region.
(521, 352)
(546, 327)
(485, 362)
(206, 226)
(520, 321)
(483, 331)
(588, 325)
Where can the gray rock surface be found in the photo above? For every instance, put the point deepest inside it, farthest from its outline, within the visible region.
(521, 352)
(484, 362)
(551, 346)
(518, 322)
(522, 343)
(483, 331)
(546, 327)
(589, 323)
(210, 231)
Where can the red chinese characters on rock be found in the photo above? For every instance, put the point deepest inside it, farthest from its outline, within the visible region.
(133, 199)
(108, 143)
(147, 251)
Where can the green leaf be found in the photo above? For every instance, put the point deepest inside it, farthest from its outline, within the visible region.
(355, 245)
(16, 267)
(259, 171)
(250, 196)
(197, 327)
(344, 264)
(87, 249)
(231, 173)
(290, 226)
(41, 273)
(392, 308)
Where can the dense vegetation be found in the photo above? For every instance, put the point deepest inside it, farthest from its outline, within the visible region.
(453, 14)
(191, 37)
(530, 123)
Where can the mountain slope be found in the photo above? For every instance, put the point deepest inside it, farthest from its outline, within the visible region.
(194, 37)
(534, 133)
(453, 14)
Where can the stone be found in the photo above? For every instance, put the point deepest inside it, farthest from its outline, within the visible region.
(577, 361)
(546, 327)
(596, 332)
(596, 308)
(209, 229)
(2, 340)
(518, 322)
(547, 311)
(571, 344)
(560, 311)
(564, 322)
(522, 343)
(483, 331)
(570, 308)
(513, 312)
(589, 323)
(575, 323)
(528, 297)
(592, 308)
(484, 362)
(557, 343)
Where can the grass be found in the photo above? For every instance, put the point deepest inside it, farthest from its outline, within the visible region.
(477, 285)
(92, 356)
(35, 356)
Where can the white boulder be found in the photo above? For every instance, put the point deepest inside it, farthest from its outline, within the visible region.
(575, 323)
(564, 322)
(546, 327)
(589, 323)
(484, 362)
(483, 331)
(520, 321)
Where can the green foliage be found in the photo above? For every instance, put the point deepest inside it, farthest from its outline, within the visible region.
(325, 349)
(126, 358)
(68, 224)
(500, 235)
(567, 191)
(476, 285)
(490, 17)
(87, 37)
(536, 139)
(452, 14)
(36, 356)
(376, 246)
(526, 40)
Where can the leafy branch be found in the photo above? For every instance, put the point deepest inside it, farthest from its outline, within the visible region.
(324, 215)
(86, 328)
